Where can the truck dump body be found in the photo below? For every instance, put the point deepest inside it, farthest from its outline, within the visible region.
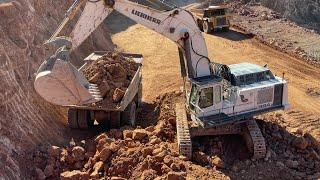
(117, 81)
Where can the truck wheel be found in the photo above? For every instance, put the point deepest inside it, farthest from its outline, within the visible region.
(73, 118)
(206, 27)
(225, 29)
(84, 119)
(200, 25)
(114, 121)
(129, 115)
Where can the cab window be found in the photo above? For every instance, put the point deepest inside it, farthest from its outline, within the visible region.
(217, 94)
(206, 98)
(193, 95)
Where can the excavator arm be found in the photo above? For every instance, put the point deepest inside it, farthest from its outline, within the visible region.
(60, 83)
(177, 25)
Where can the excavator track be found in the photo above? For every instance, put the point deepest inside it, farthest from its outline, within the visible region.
(255, 140)
(183, 133)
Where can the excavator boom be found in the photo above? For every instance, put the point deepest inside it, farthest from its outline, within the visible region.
(59, 82)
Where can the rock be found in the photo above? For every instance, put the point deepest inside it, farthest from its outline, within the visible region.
(96, 169)
(72, 143)
(183, 158)
(280, 164)
(115, 133)
(292, 164)
(74, 175)
(105, 154)
(268, 155)
(157, 151)
(150, 129)
(176, 176)
(95, 78)
(101, 136)
(312, 141)
(165, 169)
(175, 167)
(54, 151)
(78, 153)
(149, 174)
(104, 88)
(168, 160)
(127, 134)
(314, 155)
(49, 170)
(160, 156)
(40, 175)
(300, 143)
(147, 151)
(155, 141)
(117, 178)
(117, 95)
(299, 131)
(216, 161)
(139, 134)
(201, 158)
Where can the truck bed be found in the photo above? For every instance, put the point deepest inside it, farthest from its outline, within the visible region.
(130, 92)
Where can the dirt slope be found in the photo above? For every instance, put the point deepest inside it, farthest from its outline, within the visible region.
(26, 119)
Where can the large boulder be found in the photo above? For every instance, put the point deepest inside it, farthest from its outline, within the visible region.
(139, 134)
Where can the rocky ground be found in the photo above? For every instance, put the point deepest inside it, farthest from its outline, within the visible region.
(273, 29)
(292, 136)
(150, 152)
(113, 74)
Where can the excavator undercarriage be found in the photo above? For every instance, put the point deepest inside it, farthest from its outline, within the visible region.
(248, 129)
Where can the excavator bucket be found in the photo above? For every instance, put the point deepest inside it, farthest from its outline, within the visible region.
(60, 83)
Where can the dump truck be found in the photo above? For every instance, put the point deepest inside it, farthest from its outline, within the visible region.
(212, 18)
(84, 116)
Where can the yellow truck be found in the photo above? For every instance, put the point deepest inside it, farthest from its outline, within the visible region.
(212, 18)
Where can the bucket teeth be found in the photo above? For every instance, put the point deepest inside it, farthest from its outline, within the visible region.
(95, 92)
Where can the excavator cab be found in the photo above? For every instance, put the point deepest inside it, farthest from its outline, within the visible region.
(205, 97)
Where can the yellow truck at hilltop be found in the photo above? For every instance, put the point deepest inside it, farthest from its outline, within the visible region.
(212, 18)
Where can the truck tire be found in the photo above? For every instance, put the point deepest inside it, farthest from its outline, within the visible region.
(79, 119)
(207, 27)
(200, 25)
(114, 121)
(85, 119)
(73, 118)
(129, 115)
(225, 29)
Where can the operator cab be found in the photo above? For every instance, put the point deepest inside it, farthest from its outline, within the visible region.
(205, 95)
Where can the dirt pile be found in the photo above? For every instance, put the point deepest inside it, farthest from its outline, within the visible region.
(141, 153)
(113, 74)
(150, 151)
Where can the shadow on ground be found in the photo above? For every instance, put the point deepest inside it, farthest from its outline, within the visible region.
(117, 22)
(232, 35)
